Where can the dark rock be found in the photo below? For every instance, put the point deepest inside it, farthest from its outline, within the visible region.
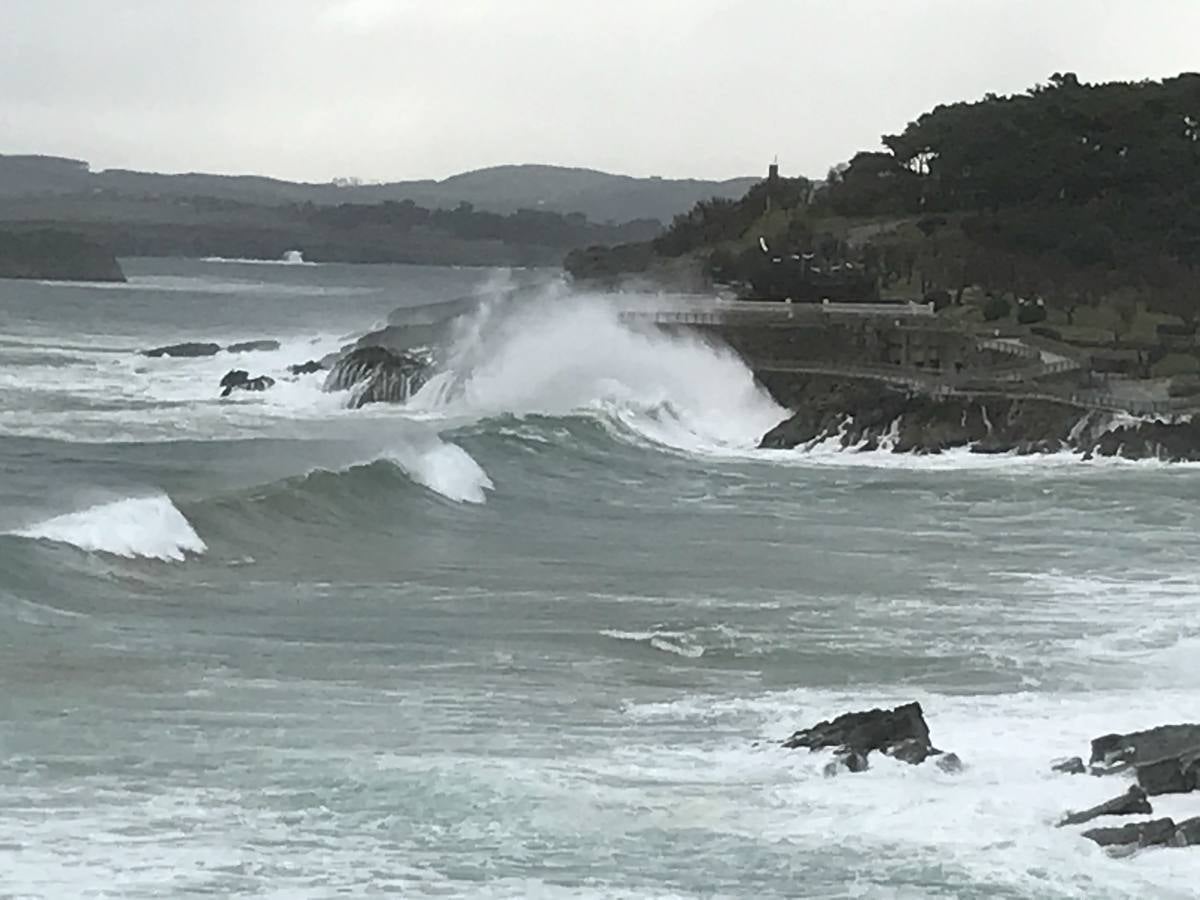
(1114, 768)
(1187, 832)
(949, 763)
(240, 380)
(306, 368)
(865, 413)
(1176, 774)
(1154, 832)
(1145, 746)
(912, 751)
(1071, 766)
(190, 348)
(849, 761)
(47, 254)
(1132, 803)
(900, 733)
(377, 375)
(252, 346)
(875, 729)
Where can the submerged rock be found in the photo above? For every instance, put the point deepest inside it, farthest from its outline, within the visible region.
(377, 375)
(306, 368)
(848, 761)
(1132, 802)
(913, 751)
(948, 762)
(240, 380)
(1071, 766)
(189, 348)
(250, 346)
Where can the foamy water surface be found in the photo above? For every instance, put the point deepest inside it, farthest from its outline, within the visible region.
(540, 632)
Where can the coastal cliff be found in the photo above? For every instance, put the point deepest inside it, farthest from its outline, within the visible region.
(51, 255)
(865, 415)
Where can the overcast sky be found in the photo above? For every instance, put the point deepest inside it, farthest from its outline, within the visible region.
(399, 89)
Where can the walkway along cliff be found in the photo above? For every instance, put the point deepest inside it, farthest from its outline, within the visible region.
(897, 378)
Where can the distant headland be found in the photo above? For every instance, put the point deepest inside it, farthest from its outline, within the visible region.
(527, 215)
(50, 255)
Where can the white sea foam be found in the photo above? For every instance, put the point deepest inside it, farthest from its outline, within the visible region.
(106, 396)
(995, 821)
(673, 642)
(150, 527)
(290, 258)
(564, 354)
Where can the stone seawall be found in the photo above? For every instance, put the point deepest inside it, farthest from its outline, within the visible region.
(869, 340)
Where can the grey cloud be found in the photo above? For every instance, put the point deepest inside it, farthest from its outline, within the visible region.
(388, 89)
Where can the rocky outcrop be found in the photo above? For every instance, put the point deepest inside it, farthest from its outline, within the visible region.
(1152, 833)
(1135, 834)
(1070, 766)
(51, 255)
(377, 375)
(240, 380)
(1139, 747)
(306, 368)
(1177, 773)
(867, 415)
(1133, 802)
(252, 346)
(901, 733)
(190, 348)
(1165, 760)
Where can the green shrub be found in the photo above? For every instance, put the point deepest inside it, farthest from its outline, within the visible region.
(1031, 314)
(996, 308)
(1184, 386)
(1176, 364)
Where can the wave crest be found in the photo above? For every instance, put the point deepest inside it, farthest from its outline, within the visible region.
(565, 354)
(148, 527)
(446, 469)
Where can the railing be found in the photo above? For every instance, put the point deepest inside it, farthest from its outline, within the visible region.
(1010, 383)
(774, 313)
(1009, 347)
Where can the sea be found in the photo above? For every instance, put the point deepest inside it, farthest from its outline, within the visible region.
(539, 632)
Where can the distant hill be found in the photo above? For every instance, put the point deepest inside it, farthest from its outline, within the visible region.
(600, 196)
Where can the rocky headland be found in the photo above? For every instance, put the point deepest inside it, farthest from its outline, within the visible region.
(862, 414)
(52, 255)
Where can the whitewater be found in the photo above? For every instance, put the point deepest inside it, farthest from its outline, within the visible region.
(538, 632)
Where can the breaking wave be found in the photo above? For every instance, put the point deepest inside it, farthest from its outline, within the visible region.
(564, 354)
(446, 469)
(149, 527)
(290, 258)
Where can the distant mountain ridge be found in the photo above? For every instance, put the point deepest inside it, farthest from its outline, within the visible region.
(601, 196)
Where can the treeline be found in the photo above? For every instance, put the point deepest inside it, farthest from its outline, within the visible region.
(465, 222)
(1076, 192)
(388, 232)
